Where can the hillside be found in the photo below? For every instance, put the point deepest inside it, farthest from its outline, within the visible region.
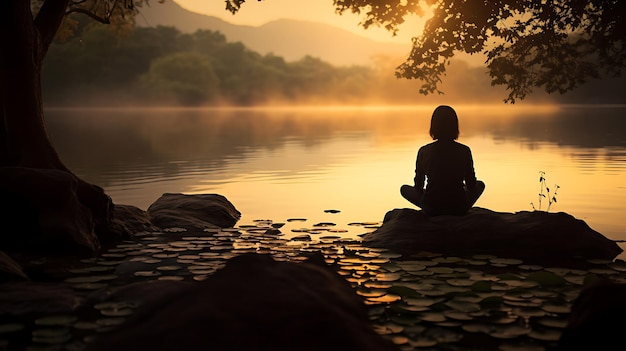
(291, 39)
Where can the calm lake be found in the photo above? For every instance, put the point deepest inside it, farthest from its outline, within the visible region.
(285, 163)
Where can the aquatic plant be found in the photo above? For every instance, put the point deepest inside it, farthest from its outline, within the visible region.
(544, 193)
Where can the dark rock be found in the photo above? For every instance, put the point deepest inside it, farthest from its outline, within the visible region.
(193, 211)
(596, 321)
(534, 236)
(254, 303)
(129, 220)
(41, 209)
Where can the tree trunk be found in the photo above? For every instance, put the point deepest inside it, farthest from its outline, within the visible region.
(23, 138)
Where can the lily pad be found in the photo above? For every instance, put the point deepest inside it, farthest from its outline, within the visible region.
(509, 332)
(547, 278)
(56, 321)
(90, 279)
(551, 335)
(11, 328)
(463, 306)
(387, 298)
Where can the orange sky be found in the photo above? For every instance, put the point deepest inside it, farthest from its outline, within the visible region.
(260, 12)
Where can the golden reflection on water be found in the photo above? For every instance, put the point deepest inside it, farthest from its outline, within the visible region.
(279, 163)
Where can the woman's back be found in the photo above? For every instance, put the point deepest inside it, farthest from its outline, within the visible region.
(446, 165)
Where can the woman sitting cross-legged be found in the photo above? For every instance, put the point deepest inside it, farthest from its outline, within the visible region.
(445, 182)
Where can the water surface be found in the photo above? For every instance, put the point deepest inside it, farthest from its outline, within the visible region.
(281, 163)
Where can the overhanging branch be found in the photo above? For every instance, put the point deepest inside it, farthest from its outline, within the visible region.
(90, 14)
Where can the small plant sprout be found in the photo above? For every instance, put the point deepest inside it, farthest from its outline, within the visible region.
(545, 193)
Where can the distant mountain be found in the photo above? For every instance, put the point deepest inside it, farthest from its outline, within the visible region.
(291, 39)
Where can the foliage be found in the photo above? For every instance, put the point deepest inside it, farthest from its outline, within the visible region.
(544, 192)
(188, 76)
(555, 45)
(96, 62)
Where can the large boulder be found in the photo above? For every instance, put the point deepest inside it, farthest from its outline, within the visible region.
(533, 236)
(597, 318)
(198, 211)
(253, 303)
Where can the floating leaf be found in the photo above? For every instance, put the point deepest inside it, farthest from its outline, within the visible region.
(421, 301)
(11, 328)
(545, 278)
(85, 325)
(422, 342)
(387, 277)
(477, 328)
(551, 335)
(440, 270)
(481, 286)
(434, 317)
(366, 292)
(506, 261)
(561, 309)
(509, 332)
(56, 321)
(458, 315)
(447, 259)
(114, 312)
(146, 274)
(169, 268)
(463, 306)
(171, 278)
(91, 279)
(553, 322)
(387, 298)
(89, 286)
(403, 291)
(296, 220)
(110, 322)
(521, 347)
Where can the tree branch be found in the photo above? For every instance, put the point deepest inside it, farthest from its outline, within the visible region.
(90, 14)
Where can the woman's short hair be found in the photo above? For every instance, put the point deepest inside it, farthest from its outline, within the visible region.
(444, 125)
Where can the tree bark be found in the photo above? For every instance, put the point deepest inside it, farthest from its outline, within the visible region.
(24, 140)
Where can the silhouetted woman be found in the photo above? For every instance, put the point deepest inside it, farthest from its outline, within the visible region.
(445, 182)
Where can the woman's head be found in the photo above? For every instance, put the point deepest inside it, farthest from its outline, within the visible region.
(444, 125)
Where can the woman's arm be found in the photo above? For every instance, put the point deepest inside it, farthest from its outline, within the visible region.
(420, 175)
(470, 175)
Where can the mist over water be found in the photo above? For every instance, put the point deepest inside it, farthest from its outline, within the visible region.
(280, 163)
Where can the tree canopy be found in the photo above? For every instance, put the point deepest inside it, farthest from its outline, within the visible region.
(554, 45)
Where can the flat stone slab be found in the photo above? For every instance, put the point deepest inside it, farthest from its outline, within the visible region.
(533, 236)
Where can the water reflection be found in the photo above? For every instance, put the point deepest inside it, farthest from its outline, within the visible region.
(160, 135)
(292, 162)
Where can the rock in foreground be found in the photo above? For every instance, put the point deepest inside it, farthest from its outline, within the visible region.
(535, 236)
(253, 303)
(597, 318)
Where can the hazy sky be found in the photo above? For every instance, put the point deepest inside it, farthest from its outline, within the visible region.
(259, 12)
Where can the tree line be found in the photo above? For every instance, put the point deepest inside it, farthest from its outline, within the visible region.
(162, 66)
